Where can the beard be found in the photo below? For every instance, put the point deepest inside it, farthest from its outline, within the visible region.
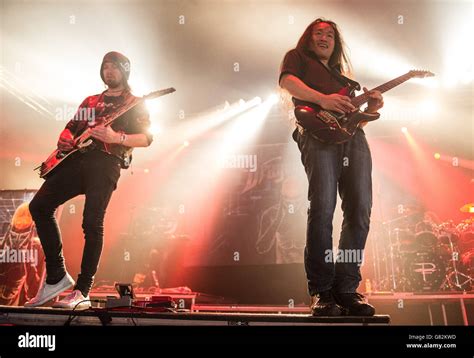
(112, 83)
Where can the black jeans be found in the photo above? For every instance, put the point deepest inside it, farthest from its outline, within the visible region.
(329, 167)
(94, 174)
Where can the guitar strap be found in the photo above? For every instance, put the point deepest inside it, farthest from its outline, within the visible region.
(345, 81)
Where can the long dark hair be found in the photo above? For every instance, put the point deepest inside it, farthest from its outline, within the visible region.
(339, 58)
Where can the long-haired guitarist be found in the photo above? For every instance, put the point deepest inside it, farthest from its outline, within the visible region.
(313, 72)
(94, 172)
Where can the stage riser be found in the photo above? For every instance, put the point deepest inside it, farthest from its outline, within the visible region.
(56, 317)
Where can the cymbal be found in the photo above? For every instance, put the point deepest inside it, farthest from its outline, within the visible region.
(468, 208)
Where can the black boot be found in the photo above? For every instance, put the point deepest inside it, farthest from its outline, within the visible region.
(354, 304)
(323, 304)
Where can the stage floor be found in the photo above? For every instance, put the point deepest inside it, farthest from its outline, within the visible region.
(419, 309)
(46, 316)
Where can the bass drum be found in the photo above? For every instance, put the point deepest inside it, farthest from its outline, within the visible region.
(426, 241)
(424, 271)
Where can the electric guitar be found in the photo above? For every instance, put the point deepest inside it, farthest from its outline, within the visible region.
(85, 139)
(333, 128)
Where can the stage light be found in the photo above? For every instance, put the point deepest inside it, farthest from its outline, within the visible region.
(388, 65)
(153, 106)
(404, 130)
(186, 143)
(428, 107)
(467, 78)
(430, 82)
(437, 156)
(272, 99)
(146, 170)
(458, 53)
(154, 129)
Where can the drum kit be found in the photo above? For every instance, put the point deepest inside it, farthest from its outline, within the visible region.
(425, 256)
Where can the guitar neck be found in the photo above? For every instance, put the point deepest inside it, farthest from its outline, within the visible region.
(136, 101)
(128, 106)
(122, 110)
(364, 97)
(86, 134)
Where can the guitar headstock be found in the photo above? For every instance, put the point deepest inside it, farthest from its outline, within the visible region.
(159, 93)
(421, 73)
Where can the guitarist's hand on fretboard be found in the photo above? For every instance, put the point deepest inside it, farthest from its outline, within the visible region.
(66, 141)
(105, 134)
(375, 100)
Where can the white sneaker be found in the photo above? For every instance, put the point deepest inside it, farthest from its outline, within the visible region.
(74, 300)
(47, 292)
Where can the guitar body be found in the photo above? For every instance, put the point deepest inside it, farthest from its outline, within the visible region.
(334, 128)
(53, 161)
(81, 144)
(331, 127)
